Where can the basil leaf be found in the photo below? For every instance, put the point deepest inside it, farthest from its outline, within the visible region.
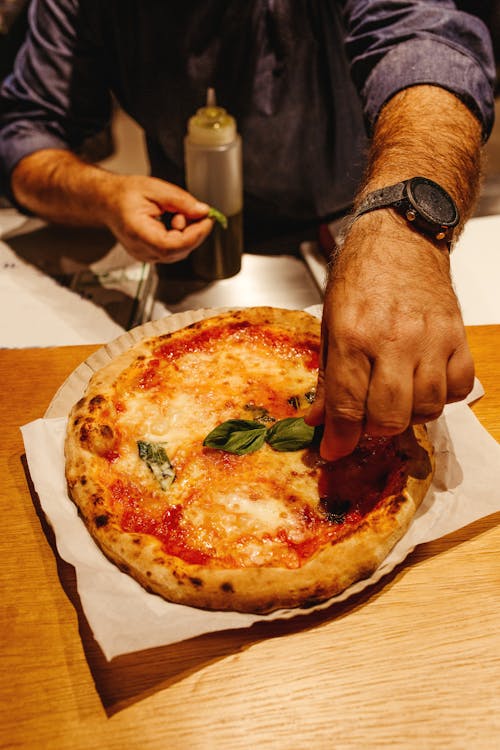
(216, 215)
(290, 434)
(156, 459)
(239, 436)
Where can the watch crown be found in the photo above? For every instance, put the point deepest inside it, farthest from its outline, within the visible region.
(411, 215)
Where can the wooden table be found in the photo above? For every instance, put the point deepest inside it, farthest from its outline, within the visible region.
(413, 662)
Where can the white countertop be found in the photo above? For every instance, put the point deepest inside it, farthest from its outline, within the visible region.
(36, 310)
(475, 267)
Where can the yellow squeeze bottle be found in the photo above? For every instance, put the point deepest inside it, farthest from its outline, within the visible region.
(214, 174)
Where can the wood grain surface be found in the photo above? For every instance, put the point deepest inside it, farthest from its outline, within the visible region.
(413, 662)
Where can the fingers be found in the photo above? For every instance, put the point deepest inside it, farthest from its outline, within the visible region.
(178, 222)
(389, 402)
(157, 221)
(149, 240)
(340, 437)
(460, 374)
(168, 245)
(435, 386)
(429, 389)
(401, 386)
(316, 413)
(340, 401)
(173, 199)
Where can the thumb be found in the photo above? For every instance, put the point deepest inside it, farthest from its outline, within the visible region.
(173, 199)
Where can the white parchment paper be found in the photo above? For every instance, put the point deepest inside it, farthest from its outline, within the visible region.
(125, 618)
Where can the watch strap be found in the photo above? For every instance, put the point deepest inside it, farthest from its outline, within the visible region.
(381, 198)
(397, 197)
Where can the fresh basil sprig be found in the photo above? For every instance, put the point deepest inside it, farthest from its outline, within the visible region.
(290, 434)
(216, 215)
(242, 436)
(238, 436)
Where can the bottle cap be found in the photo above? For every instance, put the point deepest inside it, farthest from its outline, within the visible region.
(211, 125)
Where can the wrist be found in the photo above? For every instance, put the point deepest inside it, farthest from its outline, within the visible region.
(105, 190)
(424, 204)
(385, 238)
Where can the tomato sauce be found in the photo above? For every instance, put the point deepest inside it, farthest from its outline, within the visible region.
(352, 486)
(111, 456)
(167, 529)
(150, 377)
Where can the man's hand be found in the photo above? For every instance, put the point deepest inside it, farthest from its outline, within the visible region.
(61, 188)
(134, 216)
(394, 345)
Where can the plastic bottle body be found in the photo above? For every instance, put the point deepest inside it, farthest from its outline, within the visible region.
(214, 174)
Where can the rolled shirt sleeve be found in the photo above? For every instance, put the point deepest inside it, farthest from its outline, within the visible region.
(393, 45)
(57, 94)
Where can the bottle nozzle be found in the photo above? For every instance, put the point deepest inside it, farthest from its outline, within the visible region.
(211, 98)
(212, 125)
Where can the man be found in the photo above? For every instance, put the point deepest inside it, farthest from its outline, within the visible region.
(394, 346)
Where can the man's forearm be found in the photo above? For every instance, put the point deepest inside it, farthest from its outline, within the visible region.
(427, 131)
(59, 187)
(394, 345)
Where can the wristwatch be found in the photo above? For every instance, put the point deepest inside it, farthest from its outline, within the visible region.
(423, 203)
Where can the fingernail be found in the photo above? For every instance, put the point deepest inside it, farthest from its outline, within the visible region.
(201, 207)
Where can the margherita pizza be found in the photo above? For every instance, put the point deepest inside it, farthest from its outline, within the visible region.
(193, 469)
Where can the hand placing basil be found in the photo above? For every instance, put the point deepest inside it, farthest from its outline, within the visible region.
(290, 434)
(238, 436)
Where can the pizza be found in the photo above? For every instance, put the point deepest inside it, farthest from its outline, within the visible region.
(191, 464)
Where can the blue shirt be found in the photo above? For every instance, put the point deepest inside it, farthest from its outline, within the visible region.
(305, 80)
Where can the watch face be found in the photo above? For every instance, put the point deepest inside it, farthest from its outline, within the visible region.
(432, 202)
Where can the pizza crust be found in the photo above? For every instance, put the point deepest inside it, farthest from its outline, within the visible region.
(261, 588)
